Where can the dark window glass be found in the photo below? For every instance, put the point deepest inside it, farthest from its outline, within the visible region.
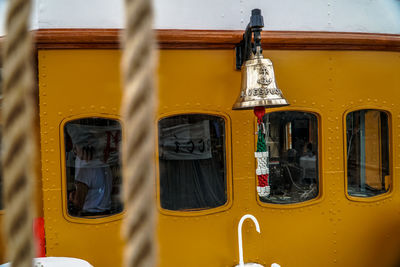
(93, 167)
(292, 143)
(192, 162)
(368, 171)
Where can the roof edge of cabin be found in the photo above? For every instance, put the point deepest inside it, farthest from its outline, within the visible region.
(218, 39)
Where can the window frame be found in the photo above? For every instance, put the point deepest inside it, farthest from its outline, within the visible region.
(391, 165)
(66, 215)
(321, 184)
(228, 165)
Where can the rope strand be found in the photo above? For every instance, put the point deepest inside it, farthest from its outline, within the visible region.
(18, 142)
(138, 105)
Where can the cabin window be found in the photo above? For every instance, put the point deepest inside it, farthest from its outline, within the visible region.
(292, 144)
(93, 171)
(192, 162)
(368, 169)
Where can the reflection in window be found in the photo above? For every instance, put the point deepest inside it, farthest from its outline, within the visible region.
(368, 172)
(292, 143)
(192, 162)
(93, 167)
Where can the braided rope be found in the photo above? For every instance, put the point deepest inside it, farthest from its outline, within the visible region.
(138, 105)
(261, 145)
(18, 141)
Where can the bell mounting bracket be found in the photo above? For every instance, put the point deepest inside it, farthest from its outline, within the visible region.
(249, 43)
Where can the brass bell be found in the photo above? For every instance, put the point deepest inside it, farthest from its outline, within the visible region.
(259, 87)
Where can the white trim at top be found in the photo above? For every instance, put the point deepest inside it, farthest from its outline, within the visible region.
(286, 15)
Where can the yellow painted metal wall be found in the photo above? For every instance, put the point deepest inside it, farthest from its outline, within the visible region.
(75, 84)
(333, 230)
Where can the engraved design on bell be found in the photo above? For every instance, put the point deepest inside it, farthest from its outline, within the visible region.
(258, 87)
(261, 92)
(264, 80)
